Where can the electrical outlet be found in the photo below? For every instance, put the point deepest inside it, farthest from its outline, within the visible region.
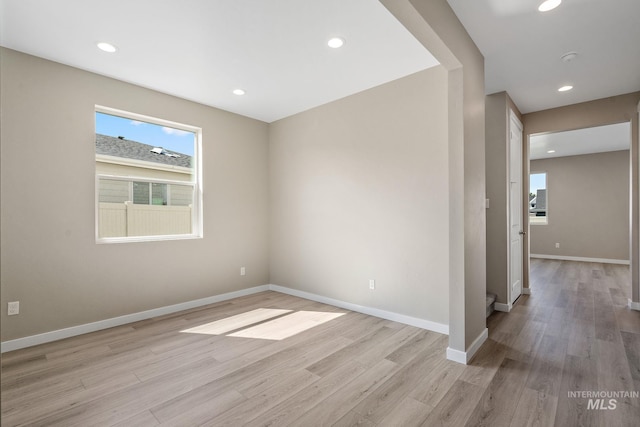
(243, 271)
(557, 245)
(372, 284)
(13, 308)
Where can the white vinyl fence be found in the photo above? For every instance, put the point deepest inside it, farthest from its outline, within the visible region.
(129, 219)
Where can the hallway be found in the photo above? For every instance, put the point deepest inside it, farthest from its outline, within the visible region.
(574, 333)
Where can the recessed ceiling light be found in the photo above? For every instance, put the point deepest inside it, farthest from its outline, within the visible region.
(335, 42)
(107, 47)
(548, 5)
(239, 92)
(551, 151)
(565, 88)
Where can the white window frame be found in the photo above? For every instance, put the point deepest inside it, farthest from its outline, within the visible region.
(132, 179)
(546, 182)
(196, 181)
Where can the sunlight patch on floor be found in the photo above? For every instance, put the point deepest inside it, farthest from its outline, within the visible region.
(238, 321)
(287, 326)
(256, 324)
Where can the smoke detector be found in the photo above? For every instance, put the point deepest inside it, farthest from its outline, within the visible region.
(569, 56)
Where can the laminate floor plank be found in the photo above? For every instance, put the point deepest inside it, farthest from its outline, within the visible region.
(118, 405)
(329, 363)
(142, 419)
(578, 375)
(526, 342)
(631, 344)
(362, 328)
(455, 408)
(619, 297)
(582, 341)
(628, 320)
(99, 338)
(288, 411)
(435, 384)
(35, 405)
(560, 323)
(258, 372)
(613, 370)
(498, 403)
(386, 347)
(158, 366)
(409, 412)
(352, 419)
(42, 372)
(546, 370)
(574, 332)
(185, 410)
(605, 319)
(345, 398)
(535, 409)
(382, 401)
(485, 364)
(407, 350)
(287, 386)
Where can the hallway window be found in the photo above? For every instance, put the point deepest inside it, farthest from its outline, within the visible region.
(538, 211)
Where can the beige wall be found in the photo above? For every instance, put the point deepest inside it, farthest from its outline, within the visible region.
(359, 191)
(50, 261)
(616, 109)
(435, 25)
(237, 213)
(588, 206)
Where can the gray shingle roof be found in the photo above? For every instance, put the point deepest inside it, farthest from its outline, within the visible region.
(112, 146)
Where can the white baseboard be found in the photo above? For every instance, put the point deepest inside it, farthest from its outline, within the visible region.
(465, 357)
(456, 356)
(389, 315)
(161, 311)
(122, 320)
(502, 307)
(581, 259)
(526, 291)
(634, 305)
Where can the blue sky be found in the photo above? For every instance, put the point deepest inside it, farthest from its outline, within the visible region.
(537, 181)
(171, 139)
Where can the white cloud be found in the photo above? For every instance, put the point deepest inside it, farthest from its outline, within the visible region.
(172, 131)
(136, 123)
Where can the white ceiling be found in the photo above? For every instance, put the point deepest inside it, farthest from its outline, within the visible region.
(581, 141)
(522, 48)
(201, 50)
(276, 49)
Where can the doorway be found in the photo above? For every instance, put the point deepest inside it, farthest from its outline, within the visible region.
(579, 195)
(516, 231)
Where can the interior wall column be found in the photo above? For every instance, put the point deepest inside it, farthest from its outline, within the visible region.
(634, 302)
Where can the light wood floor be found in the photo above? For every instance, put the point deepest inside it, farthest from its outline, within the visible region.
(574, 333)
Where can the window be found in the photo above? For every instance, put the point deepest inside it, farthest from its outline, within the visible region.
(148, 183)
(538, 210)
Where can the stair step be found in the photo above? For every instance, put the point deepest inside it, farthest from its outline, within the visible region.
(491, 299)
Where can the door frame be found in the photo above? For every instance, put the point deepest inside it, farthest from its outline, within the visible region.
(513, 118)
(612, 110)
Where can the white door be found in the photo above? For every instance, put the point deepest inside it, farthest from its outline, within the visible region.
(515, 208)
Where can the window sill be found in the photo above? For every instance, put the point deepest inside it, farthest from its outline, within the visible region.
(134, 239)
